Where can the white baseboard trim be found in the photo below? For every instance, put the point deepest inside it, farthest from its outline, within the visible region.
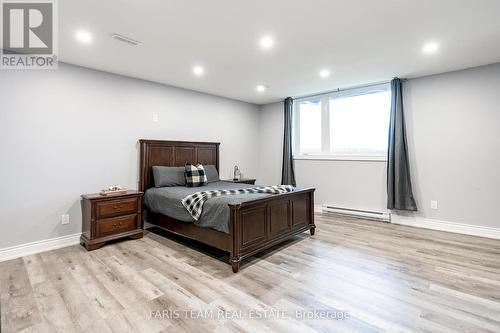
(318, 208)
(459, 228)
(448, 226)
(148, 225)
(38, 246)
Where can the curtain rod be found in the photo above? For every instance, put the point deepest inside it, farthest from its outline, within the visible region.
(343, 89)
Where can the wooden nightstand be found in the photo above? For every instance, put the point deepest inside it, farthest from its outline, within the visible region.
(109, 217)
(241, 181)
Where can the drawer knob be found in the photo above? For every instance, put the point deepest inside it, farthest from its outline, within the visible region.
(118, 206)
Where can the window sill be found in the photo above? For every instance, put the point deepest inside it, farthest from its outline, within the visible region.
(341, 158)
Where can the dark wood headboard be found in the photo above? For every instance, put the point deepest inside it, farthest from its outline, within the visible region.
(173, 153)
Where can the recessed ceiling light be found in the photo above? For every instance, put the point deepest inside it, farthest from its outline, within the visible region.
(83, 36)
(324, 73)
(261, 88)
(266, 42)
(430, 48)
(198, 70)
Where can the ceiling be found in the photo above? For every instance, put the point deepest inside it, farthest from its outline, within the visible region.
(359, 41)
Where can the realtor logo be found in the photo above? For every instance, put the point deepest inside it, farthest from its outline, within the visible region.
(28, 35)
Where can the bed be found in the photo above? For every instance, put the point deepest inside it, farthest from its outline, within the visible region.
(254, 222)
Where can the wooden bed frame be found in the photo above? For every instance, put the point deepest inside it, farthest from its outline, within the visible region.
(254, 225)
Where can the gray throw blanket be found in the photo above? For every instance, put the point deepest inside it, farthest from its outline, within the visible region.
(194, 202)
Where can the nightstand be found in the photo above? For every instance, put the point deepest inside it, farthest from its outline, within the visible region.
(109, 217)
(241, 181)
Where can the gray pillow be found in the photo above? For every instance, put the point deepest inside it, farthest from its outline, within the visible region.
(212, 174)
(169, 176)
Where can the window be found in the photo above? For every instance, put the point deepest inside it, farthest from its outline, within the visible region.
(309, 118)
(346, 124)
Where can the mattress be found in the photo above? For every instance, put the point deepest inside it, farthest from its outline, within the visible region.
(215, 215)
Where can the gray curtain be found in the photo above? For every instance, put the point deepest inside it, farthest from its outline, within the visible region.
(287, 172)
(399, 192)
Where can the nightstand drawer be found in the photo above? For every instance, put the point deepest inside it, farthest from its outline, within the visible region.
(116, 207)
(116, 225)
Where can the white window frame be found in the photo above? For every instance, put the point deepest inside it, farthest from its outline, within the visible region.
(326, 154)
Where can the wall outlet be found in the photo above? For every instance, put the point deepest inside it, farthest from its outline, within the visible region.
(156, 118)
(434, 204)
(65, 219)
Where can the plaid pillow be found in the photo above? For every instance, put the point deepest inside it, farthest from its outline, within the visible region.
(195, 175)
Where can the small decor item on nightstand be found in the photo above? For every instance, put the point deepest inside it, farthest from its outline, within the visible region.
(113, 189)
(237, 173)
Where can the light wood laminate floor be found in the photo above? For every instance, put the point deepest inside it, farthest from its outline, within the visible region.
(388, 278)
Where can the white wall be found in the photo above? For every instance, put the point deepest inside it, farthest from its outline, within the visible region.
(75, 130)
(348, 184)
(271, 144)
(453, 123)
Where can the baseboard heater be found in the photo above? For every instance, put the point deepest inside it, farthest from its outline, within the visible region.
(381, 216)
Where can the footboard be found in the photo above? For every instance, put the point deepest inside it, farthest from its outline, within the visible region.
(259, 224)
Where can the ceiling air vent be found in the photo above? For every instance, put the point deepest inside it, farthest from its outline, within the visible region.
(125, 39)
